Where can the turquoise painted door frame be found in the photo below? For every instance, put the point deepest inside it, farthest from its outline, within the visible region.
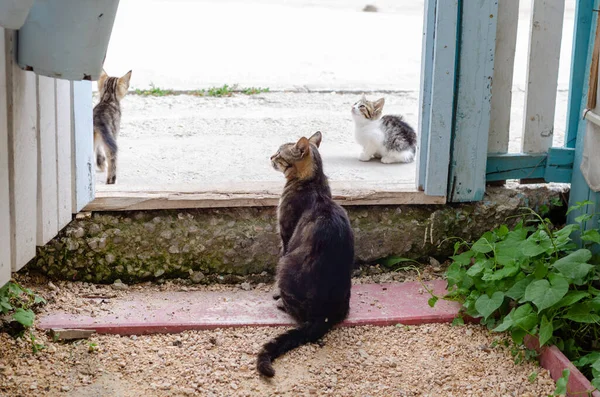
(459, 43)
(585, 29)
(457, 65)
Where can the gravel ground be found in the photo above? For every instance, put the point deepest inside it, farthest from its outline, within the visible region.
(428, 360)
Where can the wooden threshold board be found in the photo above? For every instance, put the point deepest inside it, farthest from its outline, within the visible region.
(248, 194)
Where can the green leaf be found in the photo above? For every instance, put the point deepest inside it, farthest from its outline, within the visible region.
(517, 291)
(486, 305)
(38, 299)
(538, 243)
(587, 359)
(524, 317)
(591, 235)
(431, 302)
(24, 317)
(541, 269)
(583, 218)
(502, 231)
(458, 321)
(546, 330)
(455, 274)
(506, 323)
(393, 260)
(518, 335)
(482, 246)
(501, 274)
(545, 294)
(5, 306)
(561, 383)
(464, 258)
(571, 297)
(574, 266)
(582, 313)
(479, 267)
(596, 383)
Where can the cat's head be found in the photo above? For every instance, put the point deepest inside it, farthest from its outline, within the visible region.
(116, 86)
(366, 110)
(298, 160)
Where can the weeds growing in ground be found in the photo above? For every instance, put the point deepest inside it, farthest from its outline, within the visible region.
(534, 280)
(16, 304)
(154, 91)
(222, 91)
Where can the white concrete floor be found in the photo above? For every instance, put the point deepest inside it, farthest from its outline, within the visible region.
(292, 45)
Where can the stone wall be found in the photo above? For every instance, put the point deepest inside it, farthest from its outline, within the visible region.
(146, 245)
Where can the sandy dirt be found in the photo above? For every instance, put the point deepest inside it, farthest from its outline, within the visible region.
(429, 360)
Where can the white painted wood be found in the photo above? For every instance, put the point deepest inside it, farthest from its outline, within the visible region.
(5, 240)
(542, 75)
(22, 137)
(63, 152)
(504, 62)
(47, 197)
(82, 144)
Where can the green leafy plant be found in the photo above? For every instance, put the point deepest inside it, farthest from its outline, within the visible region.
(18, 303)
(154, 91)
(534, 280)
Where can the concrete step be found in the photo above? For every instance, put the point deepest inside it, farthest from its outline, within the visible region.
(171, 312)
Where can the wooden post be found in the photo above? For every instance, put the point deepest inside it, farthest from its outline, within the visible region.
(82, 144)
(542, 75)
(5, 231)
(47, 198)
(473, 100)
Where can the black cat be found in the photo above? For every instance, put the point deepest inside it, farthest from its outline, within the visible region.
(317, 252)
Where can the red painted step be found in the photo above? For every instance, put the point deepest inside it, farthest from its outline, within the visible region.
(170, 312)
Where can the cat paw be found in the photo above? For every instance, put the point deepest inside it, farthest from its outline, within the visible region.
(365, 157)
(111, 180)
(389, 160)
(281, 307)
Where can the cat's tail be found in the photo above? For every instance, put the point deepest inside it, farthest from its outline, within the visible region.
(307, 333)
(107, 137)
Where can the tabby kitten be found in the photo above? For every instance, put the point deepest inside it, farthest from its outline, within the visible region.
(389, 138)
(107, 121)
(317, 252)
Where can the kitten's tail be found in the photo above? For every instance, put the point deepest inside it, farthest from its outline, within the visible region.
(109, 141)
(307, 333)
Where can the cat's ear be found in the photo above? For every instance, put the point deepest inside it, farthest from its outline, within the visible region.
(125, 79)
(363, 97)
(378, 104)
(303, 146)
(102, 79)
(315, 139)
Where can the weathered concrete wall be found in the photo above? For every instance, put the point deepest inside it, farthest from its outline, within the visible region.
(134, 246)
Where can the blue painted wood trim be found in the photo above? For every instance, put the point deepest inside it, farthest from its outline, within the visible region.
(580, 190)
(559, 166)
(556, 166)
(442, 98)
(477, 45)
(579, 68)
(425, 90)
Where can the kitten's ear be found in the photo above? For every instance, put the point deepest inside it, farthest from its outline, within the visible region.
(125, 79)
(303, 146)
(378, 104)
(315, 139)
(102, 79)
(363, 98)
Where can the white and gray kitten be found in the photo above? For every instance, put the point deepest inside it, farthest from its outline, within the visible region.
(389, 138)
